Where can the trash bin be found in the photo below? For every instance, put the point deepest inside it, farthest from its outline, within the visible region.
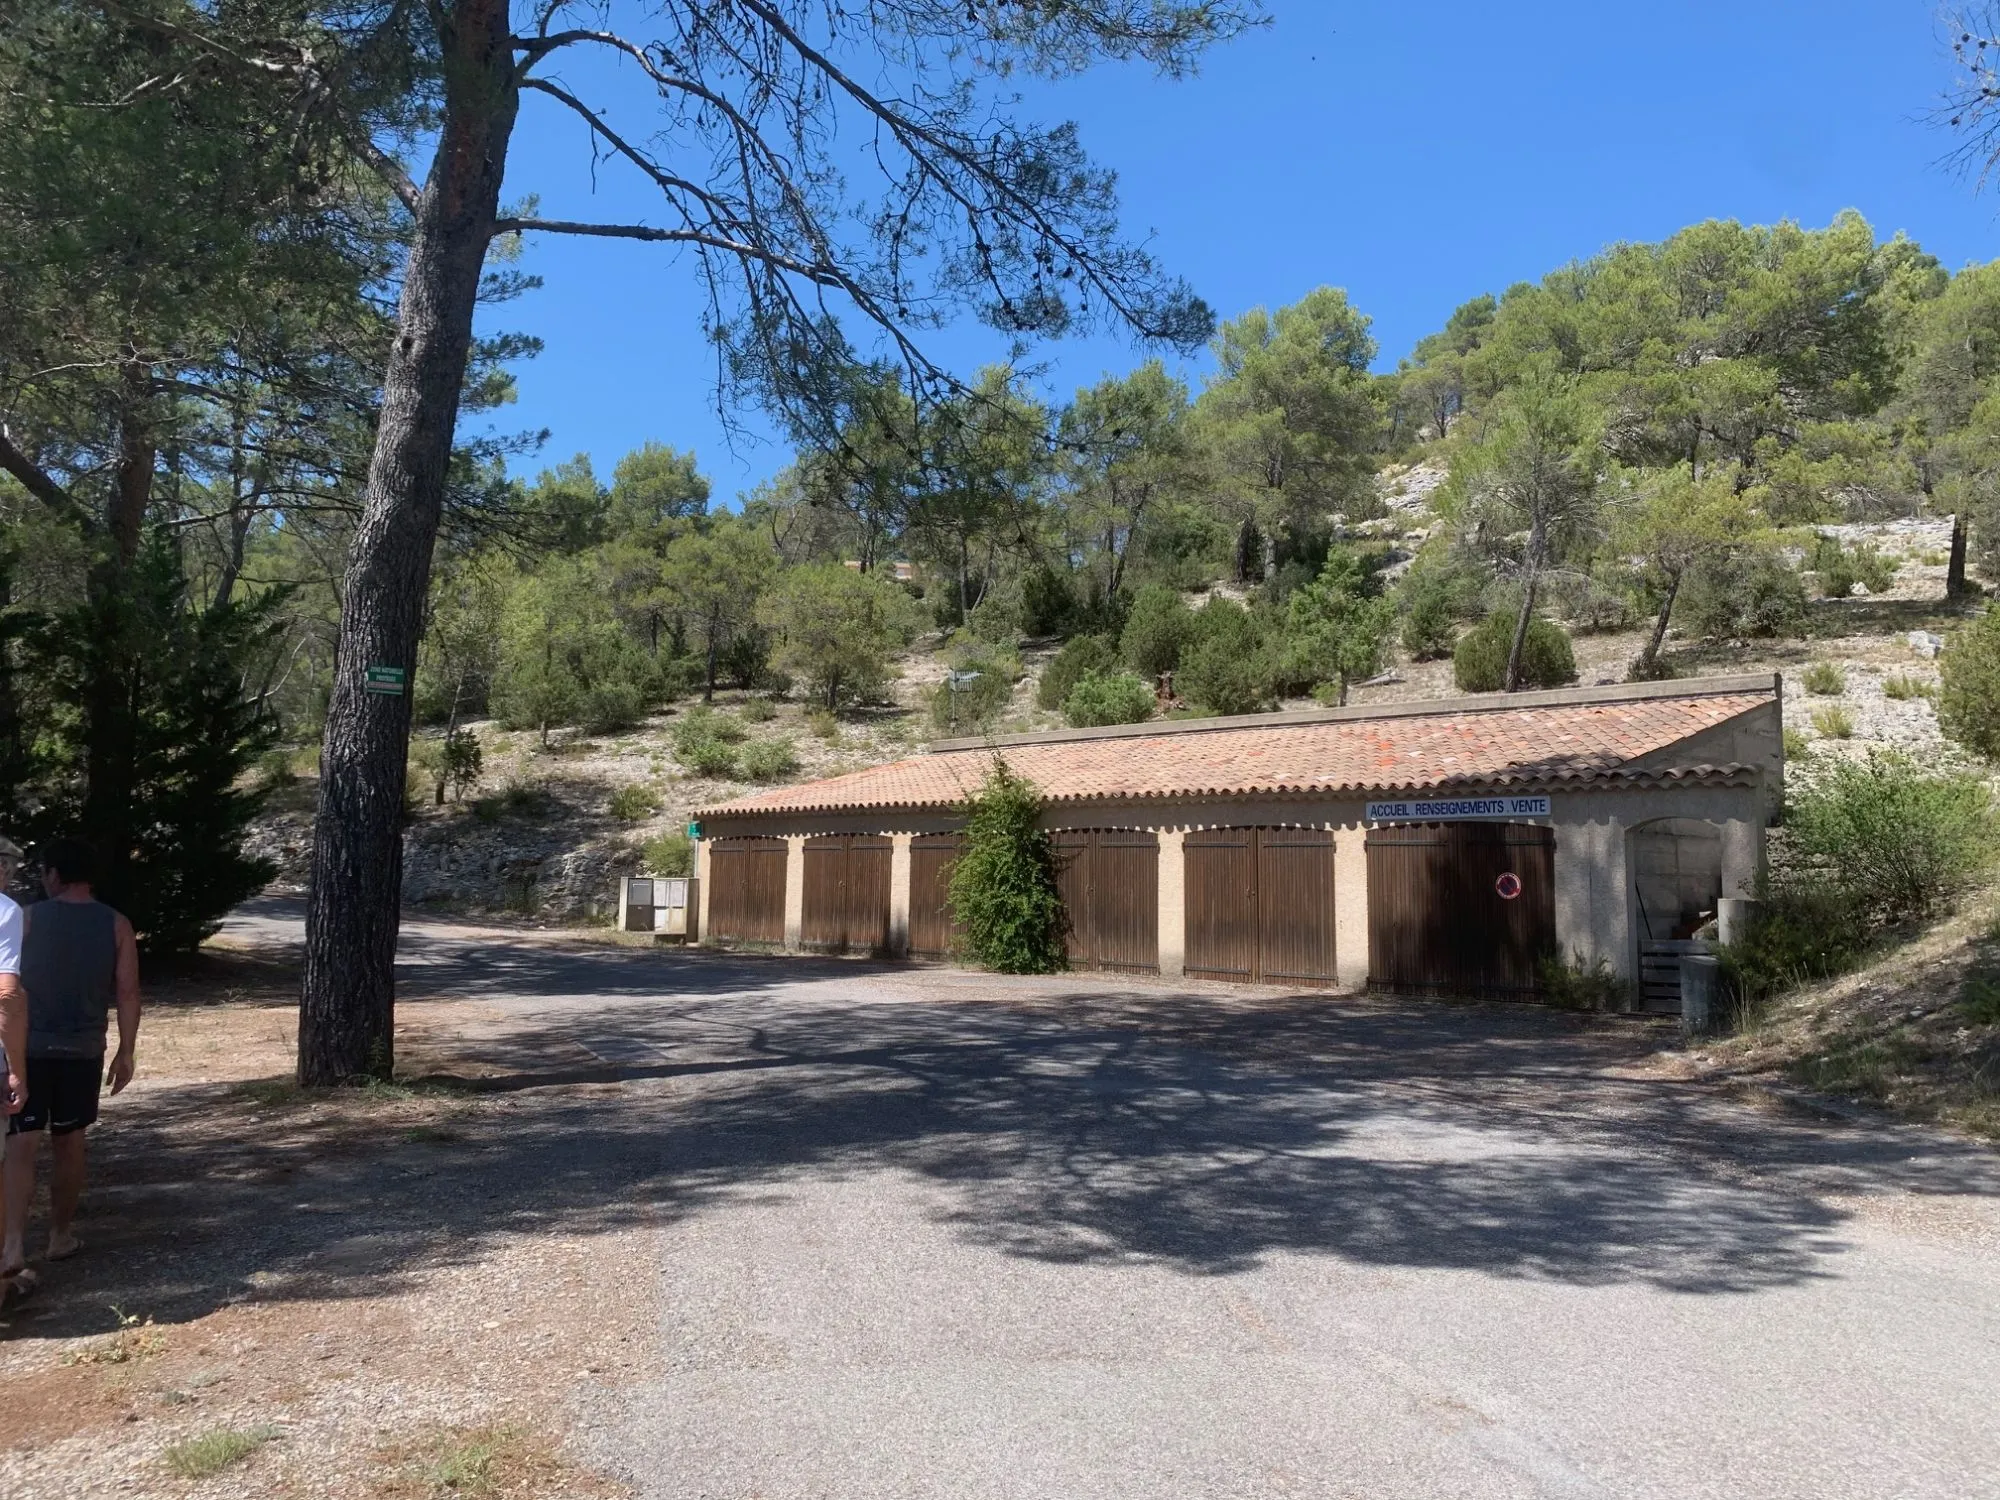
(1701, 976)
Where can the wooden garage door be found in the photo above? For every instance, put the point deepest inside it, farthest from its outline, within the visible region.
(1295, 905)
(932, 931)
(746, 890)
(846, 898)
(1259, 904)
(1110, 880)
(1437, 922)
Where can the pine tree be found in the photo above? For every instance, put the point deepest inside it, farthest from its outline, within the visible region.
(143, 730)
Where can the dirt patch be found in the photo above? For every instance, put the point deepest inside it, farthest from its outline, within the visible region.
(290, 1293)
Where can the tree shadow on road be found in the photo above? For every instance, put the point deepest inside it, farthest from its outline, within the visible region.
(1073, 1121)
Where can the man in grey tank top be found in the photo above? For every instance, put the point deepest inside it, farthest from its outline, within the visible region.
(79, 964)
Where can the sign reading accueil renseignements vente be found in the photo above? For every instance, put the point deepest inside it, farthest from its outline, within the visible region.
(1458, 809)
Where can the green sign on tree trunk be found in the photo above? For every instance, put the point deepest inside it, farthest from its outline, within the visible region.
(388, 680)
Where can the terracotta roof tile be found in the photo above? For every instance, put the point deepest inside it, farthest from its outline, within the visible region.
(1488, 746)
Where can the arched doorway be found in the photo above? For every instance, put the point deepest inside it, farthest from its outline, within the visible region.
(1676, 868)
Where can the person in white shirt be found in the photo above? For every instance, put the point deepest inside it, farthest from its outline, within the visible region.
(13, 1024)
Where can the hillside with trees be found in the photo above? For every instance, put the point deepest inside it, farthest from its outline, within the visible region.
(1741, 448)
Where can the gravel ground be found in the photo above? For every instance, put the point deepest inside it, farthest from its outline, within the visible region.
(736, 1227)
(358, 1279)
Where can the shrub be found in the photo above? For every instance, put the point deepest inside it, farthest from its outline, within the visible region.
(996, 618)
(1004, 895)
(514, 800)
(634, 803)
(611, 704)
(1748, 592)
(767, 760)
(1430, 624)
(745, 661)
(1901, 685)
(1834, 722)
(669, 854)
(706, 757)
(462, 760)
(1901, 841)
(1049, 603)
(419, 776)
(1435, 597)
(277, 769)
(1579, 986)
(1225, 669)
(757, 711)
(1801, 932)
(1969, 685)
(974, 703)
(706, 724)
(1840, 568)
(1796, 744)
(1479, 663)
(1824, 678)
(1156, 632)
(1087, 653)
(1980, 999)
(1594, 603)
(1221, 680)
(1115, 698)
(824, 725)
(705, 741)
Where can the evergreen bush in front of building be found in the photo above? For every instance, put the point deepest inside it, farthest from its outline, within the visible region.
(1004, 895)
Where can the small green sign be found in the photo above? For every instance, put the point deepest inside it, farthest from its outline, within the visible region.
(387, 680)
(694, 830)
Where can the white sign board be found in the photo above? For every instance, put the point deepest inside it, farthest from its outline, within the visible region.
(1457, 809)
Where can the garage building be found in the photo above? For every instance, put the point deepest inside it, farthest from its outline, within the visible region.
(1440, 847)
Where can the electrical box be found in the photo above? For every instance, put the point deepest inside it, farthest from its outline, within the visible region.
(669, 906)
(680, 910)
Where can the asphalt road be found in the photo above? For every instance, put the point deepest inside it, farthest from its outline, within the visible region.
(926, 1233)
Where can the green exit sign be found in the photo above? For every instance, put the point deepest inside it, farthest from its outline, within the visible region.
(386, 680)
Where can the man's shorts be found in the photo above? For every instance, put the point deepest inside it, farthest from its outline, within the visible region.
(62, 1095)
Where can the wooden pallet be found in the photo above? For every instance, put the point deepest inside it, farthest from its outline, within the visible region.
(1660, 972)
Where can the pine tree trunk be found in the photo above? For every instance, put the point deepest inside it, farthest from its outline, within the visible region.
(1954, 575)
(122, 641)
(13, 748)
(1521, 632)
(347, 999)
(1651, 655)
(132, 492)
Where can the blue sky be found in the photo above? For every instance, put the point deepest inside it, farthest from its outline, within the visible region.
(1416, 156)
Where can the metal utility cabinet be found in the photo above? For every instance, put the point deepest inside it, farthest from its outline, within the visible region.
(668, 906)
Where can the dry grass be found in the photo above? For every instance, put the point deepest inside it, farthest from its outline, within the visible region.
(209, 1454)
(1903, 686)
(484, 1463)
(135, 1340)
(1917, 1031)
